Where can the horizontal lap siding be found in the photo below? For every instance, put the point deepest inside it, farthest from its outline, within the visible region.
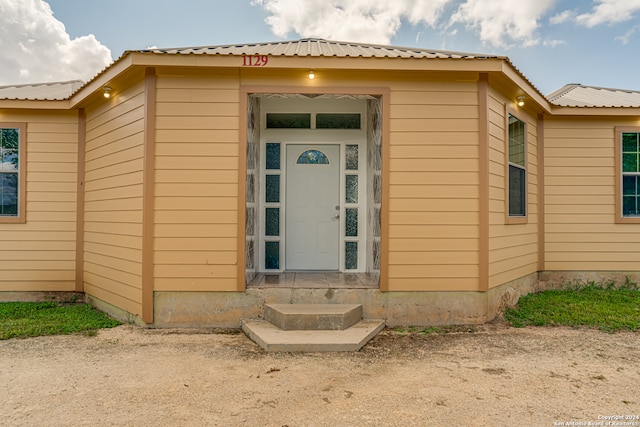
(433, 186)
(196, 209)
(113, 200)
(513, 249)
(580, 230)
(40, 254)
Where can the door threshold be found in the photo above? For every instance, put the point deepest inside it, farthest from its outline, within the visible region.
(315, 280)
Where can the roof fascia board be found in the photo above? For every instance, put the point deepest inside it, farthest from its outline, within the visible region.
(101, 80)
(596, 111)
(34, 104)
(337, 63)
(516, 77)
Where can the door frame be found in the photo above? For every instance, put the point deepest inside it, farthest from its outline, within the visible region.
(251, 134)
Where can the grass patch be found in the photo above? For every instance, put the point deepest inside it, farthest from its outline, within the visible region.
(32, 319)
(596, 306)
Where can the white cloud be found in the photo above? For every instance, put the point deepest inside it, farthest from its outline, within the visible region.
(554, 43)
(501, 23)
(609, 12)
(36, 47)
(626, 37)
(370, 21)
(562, 17)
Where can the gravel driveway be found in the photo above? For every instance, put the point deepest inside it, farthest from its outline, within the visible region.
(491, 375)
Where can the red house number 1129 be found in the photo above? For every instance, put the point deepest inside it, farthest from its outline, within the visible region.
(254, 60)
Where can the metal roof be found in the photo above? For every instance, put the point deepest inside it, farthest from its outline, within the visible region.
(312, 47)
(577, 95)
(320, 47)
(55, 91)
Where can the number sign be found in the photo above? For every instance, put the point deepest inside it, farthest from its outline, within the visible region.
(254, 60)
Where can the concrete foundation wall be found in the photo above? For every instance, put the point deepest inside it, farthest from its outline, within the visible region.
(226, 309)
(41, 296)
(561, 279)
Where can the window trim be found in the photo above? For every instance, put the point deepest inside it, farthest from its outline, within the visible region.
(515, 219)
(21, 218)
(618, 131)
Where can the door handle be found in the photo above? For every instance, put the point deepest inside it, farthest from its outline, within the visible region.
(337, 216)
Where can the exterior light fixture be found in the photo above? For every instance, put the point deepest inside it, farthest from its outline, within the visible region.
(312, 75)
(521, 99)
(106, 92)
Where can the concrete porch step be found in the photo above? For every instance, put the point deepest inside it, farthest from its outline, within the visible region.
(312, 327)
(272, 338)
(290, 317)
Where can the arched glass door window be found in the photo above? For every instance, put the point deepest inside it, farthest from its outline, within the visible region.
(312, 157)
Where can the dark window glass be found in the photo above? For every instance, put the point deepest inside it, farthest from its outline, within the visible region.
(272, 255)
(516, 141)
(288, 121)
(351, 220)
(630, 177)
(9, 170)
(8, 194)
(517, 168)
(517, 178)
(630, 142)
(351, 188)
(272, 189)
(350, 255)
(272, 222)
(273, 155)
(337, 121)
(312, 157)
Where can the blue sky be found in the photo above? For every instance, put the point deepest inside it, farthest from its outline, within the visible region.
(553, 42)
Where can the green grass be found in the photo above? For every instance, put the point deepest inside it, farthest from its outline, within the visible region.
(32, 319)
(591, 305)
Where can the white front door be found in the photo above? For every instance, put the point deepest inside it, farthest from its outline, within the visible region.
(313, 207)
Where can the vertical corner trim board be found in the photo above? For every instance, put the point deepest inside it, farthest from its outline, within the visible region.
(483, 159)
(148, 194)
(82, 132)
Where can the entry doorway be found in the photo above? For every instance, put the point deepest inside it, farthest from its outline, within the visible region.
(287, 229)
(313, 208)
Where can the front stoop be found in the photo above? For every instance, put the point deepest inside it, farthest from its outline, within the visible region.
(312, 328)
(291, 317)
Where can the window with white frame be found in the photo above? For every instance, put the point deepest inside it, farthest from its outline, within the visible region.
(517, 164)
(11, 165)
(630, 162)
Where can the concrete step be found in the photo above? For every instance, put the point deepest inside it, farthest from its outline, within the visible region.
(290, 317)
(273, 338)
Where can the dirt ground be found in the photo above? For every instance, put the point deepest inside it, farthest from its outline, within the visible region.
(491, 375)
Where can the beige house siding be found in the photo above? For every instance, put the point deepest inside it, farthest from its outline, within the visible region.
(39, 255)
(113, 199)
(580, 231)
(196, 209)
(433, 186)
(513, 248)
